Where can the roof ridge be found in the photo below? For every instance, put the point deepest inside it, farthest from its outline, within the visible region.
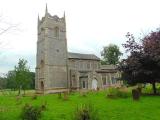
(81, 53)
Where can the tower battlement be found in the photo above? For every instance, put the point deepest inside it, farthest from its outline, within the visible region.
(55, 19)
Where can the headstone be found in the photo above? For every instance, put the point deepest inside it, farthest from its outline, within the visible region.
(135, 94)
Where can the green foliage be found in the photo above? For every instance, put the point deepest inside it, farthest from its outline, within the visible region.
(11, 80)
(3, 82)
(86, 112)
(110, 54)
(30, 112)
(32, 78)
(117, 93)
(22, 75)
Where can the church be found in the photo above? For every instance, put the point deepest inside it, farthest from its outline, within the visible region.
(58, 70)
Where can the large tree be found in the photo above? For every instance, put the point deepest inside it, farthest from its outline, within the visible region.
(143, 63)
(23, 78)
(110, 54)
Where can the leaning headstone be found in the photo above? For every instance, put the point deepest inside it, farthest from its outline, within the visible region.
(135, 94)
(65, 96)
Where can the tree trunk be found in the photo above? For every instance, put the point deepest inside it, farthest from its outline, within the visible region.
(154, 88)
(19, 91)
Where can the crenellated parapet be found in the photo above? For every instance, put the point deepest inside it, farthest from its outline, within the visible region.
(48, 18)
(49, 22)
(55, 18)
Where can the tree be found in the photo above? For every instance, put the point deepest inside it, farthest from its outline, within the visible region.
(143, 63)
(110, 54)
(11, 80)
(11, 83)
(32, 83)
(3, 82)
(22, 75)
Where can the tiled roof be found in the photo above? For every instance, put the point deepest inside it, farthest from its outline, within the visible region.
(82, 56)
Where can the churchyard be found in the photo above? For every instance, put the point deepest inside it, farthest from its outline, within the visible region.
(59, 108)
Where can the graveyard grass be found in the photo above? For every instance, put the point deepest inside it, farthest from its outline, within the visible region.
(148, 108)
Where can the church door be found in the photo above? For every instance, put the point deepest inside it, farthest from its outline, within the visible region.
(42, 85)
(94, 84)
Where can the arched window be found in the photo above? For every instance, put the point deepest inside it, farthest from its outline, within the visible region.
(56, 32)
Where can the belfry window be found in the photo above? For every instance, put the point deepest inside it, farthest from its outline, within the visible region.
(56, 32)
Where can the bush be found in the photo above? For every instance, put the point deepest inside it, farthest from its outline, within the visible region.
(30, 112)
(84, 93)
(123, 94)
(112, 93)
(117, 93)
(86, 112)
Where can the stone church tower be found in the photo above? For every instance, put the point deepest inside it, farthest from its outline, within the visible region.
(51, 69)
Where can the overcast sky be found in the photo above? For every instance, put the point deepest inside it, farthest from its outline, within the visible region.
(91, 24)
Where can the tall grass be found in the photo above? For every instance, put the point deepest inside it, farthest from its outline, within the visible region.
(86, 112)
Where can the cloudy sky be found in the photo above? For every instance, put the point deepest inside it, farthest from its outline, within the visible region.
(91, 24)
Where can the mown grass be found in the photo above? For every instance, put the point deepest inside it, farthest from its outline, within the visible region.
(148, 108)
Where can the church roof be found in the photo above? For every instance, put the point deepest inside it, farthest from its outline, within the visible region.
(82, 56)
(108, 67)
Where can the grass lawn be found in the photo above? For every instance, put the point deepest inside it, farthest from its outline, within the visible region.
(148, 108)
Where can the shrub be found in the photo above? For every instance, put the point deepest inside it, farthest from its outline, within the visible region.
(30, 112)
(86, 112)
(123, 94)
(83, 93)
(117, 93)
(112, 93)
